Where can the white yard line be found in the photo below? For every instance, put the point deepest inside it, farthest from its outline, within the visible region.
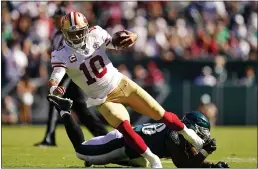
(241, 160)
(228, 159)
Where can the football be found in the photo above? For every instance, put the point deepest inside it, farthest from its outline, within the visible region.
(118, 37)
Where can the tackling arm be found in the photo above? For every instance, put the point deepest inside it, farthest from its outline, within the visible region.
(194, 159)
(182, 160)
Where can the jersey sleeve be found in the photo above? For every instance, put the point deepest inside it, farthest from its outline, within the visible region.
(59, 67)
(106, 37)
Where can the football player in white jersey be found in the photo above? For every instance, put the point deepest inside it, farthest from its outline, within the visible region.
(83, 57)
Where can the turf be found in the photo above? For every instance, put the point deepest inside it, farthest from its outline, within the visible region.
(236, 145)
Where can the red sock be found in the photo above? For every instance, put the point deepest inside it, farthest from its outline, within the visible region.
(131, 138)
(172, 121)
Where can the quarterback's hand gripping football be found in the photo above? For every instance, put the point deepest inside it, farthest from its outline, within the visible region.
(210, 146)
(130, 39)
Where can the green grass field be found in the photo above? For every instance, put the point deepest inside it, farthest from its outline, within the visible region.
(236, 145)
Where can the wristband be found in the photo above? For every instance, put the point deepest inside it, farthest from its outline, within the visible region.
(204, 152)
(52, 89)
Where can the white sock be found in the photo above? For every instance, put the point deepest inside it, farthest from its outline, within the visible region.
(62, 112)
(150, 156)
(183, 130)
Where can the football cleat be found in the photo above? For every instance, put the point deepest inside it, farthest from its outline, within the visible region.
(60, 103)
(45, 144)
(87, 164)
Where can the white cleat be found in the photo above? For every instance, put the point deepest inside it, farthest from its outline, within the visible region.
(156, 163)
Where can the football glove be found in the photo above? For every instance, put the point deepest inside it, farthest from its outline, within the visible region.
(220, 164)
(210, 146)
(60, 90)
(60, 103)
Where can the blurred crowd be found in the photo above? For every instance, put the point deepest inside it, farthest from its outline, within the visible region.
(218, 31)
(182, 30)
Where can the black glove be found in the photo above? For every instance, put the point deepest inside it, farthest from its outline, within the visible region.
(210, 145)
(60, 103)
(220, 164)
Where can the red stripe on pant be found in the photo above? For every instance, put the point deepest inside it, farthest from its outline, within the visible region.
(172, 121)
(131, 138)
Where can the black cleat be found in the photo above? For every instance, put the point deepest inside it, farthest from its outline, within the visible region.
(60, 103)
(45, 144)
(87, 164)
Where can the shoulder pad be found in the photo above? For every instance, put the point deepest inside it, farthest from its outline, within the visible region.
(96, 30)
(92, 28)
(58, 51)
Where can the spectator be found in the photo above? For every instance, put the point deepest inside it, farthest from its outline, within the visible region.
(155, 77)
(249, 79)
(155, 83)
(25, 89)
(220, 70)
(140, 75)
(123, 69)
(206, 79)
(208, 108)
(17, 62)
(9, 111)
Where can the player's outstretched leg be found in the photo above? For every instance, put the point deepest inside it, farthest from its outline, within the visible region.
(142, 102)
(118, 117)
(72, 128)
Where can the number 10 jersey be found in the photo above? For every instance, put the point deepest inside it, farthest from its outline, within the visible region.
(89, 67)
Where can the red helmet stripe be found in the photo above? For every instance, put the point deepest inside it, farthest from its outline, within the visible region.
(75, 16)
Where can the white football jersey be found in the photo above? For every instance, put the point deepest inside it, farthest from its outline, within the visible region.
(89, 67)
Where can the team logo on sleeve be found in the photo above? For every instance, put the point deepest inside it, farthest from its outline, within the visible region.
(96, 45)
(72, 58)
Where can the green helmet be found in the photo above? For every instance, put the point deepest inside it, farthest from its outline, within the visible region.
(199, 123)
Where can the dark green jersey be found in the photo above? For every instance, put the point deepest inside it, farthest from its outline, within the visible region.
(157, 137)
(164, 143)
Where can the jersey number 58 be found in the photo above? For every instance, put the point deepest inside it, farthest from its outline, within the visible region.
(90, 79)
